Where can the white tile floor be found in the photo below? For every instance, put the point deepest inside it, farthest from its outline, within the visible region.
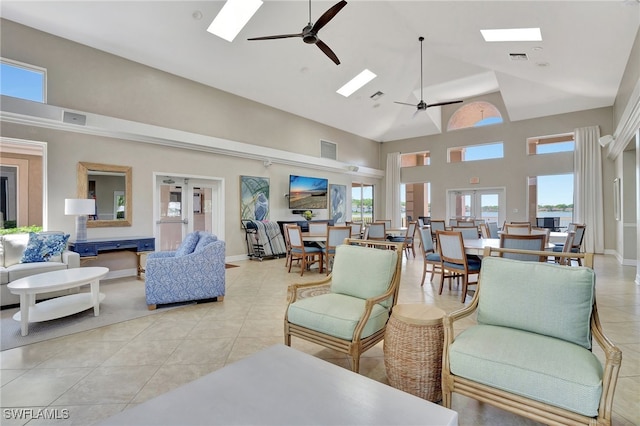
(89, 376)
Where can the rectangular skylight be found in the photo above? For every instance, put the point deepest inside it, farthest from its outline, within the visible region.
(512, 34)
(356, 82)
(233, 16)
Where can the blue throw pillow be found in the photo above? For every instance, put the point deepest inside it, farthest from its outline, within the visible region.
(42, 247)
(188, 245)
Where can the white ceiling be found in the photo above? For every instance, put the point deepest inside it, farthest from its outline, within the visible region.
(585, 47)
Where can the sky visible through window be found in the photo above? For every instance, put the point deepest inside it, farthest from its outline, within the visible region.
(21, 82)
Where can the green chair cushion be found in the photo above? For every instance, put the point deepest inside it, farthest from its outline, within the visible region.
(362, 272)
(336, 315)
(558, 299)
(542, 368)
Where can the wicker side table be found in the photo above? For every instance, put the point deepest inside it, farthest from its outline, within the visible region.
(413, 350)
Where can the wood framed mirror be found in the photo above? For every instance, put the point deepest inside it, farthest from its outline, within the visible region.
(110, 186)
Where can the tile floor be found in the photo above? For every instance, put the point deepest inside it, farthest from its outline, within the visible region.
(92, 375)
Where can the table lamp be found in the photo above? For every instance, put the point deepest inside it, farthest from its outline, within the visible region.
(80, 208)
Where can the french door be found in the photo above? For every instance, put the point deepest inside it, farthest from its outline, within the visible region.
(186, 204)
(486, 203)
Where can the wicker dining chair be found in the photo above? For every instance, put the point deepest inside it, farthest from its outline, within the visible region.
(362, 291)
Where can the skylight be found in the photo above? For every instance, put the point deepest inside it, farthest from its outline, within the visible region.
(512, 34)
(233, 16)
(356, 82)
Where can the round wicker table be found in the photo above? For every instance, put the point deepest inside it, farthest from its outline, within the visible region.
(413, 350)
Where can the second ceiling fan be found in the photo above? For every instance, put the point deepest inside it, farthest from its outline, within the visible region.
(422, 105)
(309, 33)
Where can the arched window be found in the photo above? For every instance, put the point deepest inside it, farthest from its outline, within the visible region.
(475, 114)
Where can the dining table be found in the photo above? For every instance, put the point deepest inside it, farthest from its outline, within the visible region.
(477, 246)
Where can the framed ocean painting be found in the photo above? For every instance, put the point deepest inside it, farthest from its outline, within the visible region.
(254, 198)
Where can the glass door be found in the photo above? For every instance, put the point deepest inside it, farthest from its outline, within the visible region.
(487, 204)
(187, 204)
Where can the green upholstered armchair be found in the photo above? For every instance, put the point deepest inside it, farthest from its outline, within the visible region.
(362, 290)
(530, 352)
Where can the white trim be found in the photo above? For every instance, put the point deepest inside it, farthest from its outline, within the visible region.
(19, 111)
(627, 126)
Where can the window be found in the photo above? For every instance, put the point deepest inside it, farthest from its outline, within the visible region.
(415, 159)
(474, 114)
(475, 152)
(22, 81)
(361, 202)
(550, 144)
(552, 196)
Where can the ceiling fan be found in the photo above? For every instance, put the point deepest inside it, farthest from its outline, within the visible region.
(422, 105)
(309, 33)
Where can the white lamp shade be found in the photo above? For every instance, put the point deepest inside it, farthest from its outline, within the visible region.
(79, 206)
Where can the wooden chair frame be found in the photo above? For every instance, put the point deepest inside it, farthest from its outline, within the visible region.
(329, 249)
(357, 345)
(307, 258)
(427, 247)
(541, 240)
(520, 405)
(463, 261)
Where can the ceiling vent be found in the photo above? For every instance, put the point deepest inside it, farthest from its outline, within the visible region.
(328, 150)
(518, 56)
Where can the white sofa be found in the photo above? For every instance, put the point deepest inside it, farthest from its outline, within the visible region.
(12, 247)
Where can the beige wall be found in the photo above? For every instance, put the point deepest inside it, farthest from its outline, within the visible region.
(509, 172)
(629, 81)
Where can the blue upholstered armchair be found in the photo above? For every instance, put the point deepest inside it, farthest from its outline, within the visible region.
(195, 271)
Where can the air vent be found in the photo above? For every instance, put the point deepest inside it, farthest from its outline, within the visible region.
(73, 118)
(518, 56)
(328, 150)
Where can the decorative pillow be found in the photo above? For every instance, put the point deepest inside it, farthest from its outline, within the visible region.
(188, 245)
(41, 247)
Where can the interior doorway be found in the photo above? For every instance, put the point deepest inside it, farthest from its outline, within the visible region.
(186, 204)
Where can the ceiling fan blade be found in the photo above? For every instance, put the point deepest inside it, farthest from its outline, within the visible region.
(416, 113)
(443, 103)
(276, 37)
(328, 15)
(404, 103)
(327, 51)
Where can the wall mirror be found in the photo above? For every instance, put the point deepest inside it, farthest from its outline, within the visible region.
(110, 186)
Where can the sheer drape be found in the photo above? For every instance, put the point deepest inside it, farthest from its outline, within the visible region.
(587, 187)
(393, 189)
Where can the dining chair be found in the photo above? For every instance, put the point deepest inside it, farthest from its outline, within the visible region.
(536, 242)
(455, 262)
(453, 222)
(468, 233)
(517, 228)
(387, 222)
(318, 228)
(437, 225)
(429, 255)
(576, 245)
(493, 229)
(407, 239)
(377, 231)
(335, 236)
(566, 248)
(544, 231)
(356, 229)
(484, 230)
(307, 255)
(466, 224)
(287, 245)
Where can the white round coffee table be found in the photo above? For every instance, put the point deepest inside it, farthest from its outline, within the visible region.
(28, 287)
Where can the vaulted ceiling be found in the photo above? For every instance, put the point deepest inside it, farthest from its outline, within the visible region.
(578, 64)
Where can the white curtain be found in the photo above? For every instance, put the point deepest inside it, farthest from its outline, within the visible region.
(587, 187)
(393, 189)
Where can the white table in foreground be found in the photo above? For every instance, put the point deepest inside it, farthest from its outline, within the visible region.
(477, 246)
(28, 287)
(283, 386)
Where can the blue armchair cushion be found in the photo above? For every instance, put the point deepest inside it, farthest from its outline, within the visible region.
(336, 315)
(433, 257)
(188, 245)
(559, 299)
(546, 369)
(43, 247)
(354, 265)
